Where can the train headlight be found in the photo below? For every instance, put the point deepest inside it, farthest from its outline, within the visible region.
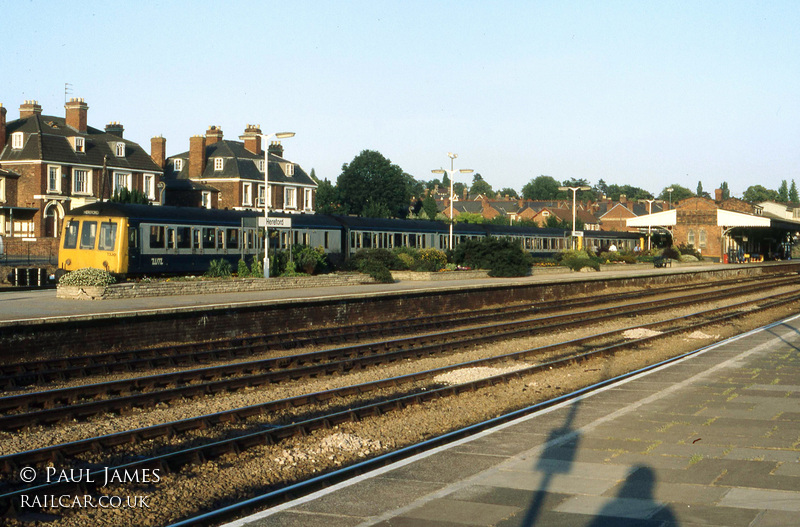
(68, 262)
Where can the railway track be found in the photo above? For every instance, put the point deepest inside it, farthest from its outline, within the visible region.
(81, 402)
(175, 460)
(25, 373)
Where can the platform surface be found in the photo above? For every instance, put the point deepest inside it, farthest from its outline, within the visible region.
(713, 440)
(43, 306)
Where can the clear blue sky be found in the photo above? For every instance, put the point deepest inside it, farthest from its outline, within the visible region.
(641, 93)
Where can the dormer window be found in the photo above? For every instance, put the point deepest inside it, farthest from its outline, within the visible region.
(260, 164)
(80, 144)
(178, 164)
(120, 149)
(16, 140)
(289, 169)
(217, 163)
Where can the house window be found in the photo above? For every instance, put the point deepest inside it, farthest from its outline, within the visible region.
(206, 199)
(80, 144)
(2, 189)
(217, 163)
(177, 164)
(261, 195)
(148, 186)
(703, 239)
(122, 180)
(690, 237)
(54, 179)
(16, 140)
(260, 164)
(289, 169)
(80, 181)
(120, 149)
(290, 198)
(247, 194)
(308, 199)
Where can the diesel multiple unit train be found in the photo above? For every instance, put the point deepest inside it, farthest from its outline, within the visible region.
(142, 239)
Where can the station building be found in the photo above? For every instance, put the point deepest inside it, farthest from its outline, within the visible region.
(724, 229)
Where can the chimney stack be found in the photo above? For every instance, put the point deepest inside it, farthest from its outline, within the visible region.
(158, 151)
(197, 156)
(718, 194)
(2, 127)
(29, 109)
(252, 139)
(76, 114)
(276, 148)
(114, 128)
(213, 135)
(623, 199)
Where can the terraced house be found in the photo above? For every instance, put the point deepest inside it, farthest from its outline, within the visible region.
(219, 173)
(50, 165)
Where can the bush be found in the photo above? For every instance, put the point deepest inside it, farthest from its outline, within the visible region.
(690, 250)
(242, 270)
(406, 261)
(688, 258)
(502, 257)
(576, 263)
(277, 262)
(219, 269)
(430, 260)
(87, 277)
(378, 271)
(671, 253)
(310, 260)
(383, 256)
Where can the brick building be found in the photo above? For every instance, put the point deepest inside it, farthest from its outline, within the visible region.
(50, 165)
(219, 173)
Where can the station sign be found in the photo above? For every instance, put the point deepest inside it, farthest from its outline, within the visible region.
(275, 223)
(577, 233)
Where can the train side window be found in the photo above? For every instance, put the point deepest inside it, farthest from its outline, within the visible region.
(88, 234)
(195, 238)
(232, 241)
(209, 238)
(170, 238)
(184, 237)
(220, 238)
(71, 234)
(326, 241)
(108, 236)
(157, 237)
(133, 238)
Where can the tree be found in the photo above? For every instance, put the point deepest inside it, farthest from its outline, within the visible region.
(327, 198)
(124, 195)
(700, 192)
(480, 186)
(783, 192)
(429, 207)
(371, 184)
(726, 192)
(758, 193)
(541, 189)
(459, 188)
(601, 189)
(793, 197)
(510, 192)
(678, 193)
(313, 175)
(632, 193)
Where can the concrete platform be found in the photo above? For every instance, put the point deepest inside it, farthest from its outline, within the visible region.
(19, 307)
(713, 440)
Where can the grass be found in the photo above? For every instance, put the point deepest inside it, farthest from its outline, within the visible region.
(696, 458)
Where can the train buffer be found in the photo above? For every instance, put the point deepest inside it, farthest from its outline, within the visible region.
(660, 261)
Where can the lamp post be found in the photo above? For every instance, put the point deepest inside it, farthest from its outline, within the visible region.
(649, 211)
(266, 138)
(670, 189)
(451, 173)
(574, 211)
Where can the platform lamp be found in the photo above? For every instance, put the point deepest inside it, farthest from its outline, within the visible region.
(574, 210)
(669, 190)
(649, 220)
(266, 138)
(451, 173)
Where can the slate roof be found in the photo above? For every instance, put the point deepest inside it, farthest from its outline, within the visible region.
(239, 163)
(47, 138)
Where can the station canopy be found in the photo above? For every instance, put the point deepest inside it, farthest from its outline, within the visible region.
(725, 218)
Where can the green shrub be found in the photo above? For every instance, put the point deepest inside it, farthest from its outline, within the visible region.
(219, 269)
(378, 271)
(576, 263)
(242, 270)
(690, 250)
(87, 277)
(385, 257)
(671, 253)
(257, 268)
(277, 262)
(430, 260)
(406, 261)
(502, 257)
(310, 260)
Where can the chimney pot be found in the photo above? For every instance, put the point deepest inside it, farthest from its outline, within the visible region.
(114, 128)
(77, 110)
(29, 109)
(213, 135)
